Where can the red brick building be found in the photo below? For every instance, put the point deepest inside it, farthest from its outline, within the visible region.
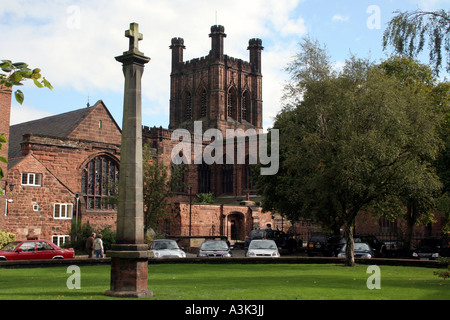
(65, 166)
(60, 168)
(213, 92)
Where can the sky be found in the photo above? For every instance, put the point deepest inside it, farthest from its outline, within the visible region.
(74, 43)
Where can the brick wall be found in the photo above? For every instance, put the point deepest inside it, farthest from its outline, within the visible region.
(31, 208)
(217, 220)
(98, 126)
(61, 162)
(5, 115)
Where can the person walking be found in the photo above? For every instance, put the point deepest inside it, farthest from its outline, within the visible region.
(90, 245)
(98, 247)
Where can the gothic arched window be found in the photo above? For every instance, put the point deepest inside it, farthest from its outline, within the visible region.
(204, 178)
(245, 106)
(232, 105)
(99, 183)
(248, 177)
(188, 106)
(227, 178)
(203, 104)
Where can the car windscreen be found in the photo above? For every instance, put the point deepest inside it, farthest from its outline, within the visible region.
(214, 245)
(361, 246)
(257, 234)
(262, 245)
(161, 245)
(10, 246)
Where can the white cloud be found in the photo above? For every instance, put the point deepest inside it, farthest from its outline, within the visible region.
(432, 4)
(339, 17)
(25, 113)
(75, 42)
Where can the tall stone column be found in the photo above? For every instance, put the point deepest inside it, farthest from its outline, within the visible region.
(129, 256)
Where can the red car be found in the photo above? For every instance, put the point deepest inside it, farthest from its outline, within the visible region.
(34, 249)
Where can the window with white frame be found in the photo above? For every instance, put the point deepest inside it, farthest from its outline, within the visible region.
(32, 179)
(59, 240)
(63, 211)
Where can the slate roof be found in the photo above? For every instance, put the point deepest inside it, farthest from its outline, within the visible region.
(58, 126)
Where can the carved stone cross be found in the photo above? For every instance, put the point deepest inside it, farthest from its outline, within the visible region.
(134, 36)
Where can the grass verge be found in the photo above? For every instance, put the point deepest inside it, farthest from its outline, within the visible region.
(233, 282)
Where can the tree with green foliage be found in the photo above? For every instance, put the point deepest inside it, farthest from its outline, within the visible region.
(408, 32)
(204, 198)
(2, 159)
(421, 201)
(441, 94)
(158, 188)
(6, 237)
(14, 74)
(349, 141)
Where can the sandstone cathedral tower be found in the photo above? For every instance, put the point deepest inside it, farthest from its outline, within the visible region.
(221, 91)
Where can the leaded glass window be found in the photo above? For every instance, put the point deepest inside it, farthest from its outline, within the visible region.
(99, 183)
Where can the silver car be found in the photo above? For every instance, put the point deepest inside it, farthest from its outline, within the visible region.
(214, 248)
(262, 248)
(166, 249)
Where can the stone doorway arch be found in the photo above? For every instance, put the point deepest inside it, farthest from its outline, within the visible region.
(235, 226)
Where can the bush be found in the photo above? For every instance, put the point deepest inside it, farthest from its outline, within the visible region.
(78, 236)
(205, 198)
(108, 238)
(6, 237)
(81, 231)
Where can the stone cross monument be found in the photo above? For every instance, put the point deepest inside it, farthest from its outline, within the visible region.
(129, 256)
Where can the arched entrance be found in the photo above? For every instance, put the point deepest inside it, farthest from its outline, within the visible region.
(235, 222)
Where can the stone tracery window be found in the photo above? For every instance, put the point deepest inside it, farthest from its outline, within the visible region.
(204, 178)
(99, 183)
(245, 106)
(232, 103)
(227, 178)
(203, 105)
(188, 106)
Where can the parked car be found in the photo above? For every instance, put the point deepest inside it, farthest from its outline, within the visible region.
(34, 250)
(360, 250)
(431, 248)
(325, 244)
(263, 248)
(282, 239)
(214, 248)
(166, 249)
(378, 246)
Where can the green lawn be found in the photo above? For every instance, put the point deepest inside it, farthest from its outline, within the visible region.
(233, 281)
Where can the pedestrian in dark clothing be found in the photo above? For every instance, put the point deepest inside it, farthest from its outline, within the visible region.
(90, 245)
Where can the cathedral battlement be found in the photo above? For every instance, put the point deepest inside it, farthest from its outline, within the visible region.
(221, 90)
(156, 132)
